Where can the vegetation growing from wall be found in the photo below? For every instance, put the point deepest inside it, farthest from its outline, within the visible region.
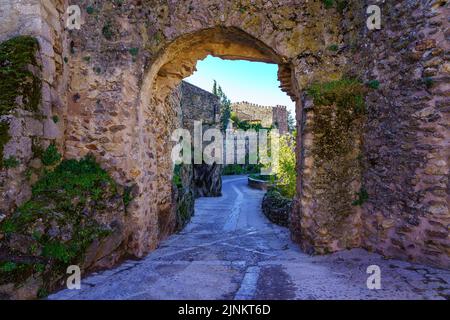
(337, 122)
(332, 125)
(4, 138)
(17, 79)
(56, 226)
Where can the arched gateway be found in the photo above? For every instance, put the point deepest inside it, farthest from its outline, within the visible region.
(372, 147)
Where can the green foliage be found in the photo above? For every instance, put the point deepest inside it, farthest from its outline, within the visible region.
(286, 168)
(428, 82)
(225, 105)
(51, 155)
(247, 125)
(333, 47)
(8, 266)
(291, 122)
(58, 251)
(107, 30)
(232, 169)
(133, 51)
(4, 138)
(90, 10)
(127, 197)
(75, 179)
(42, 293)
(66, 197)
(238, 169)
(16, 79)
(177, 176)
(55, 119)
(340, 4)
(11, 162)
(277, 198)
(270, 178)
(363, 196)
(373, 84)
(345, 93)
(328, 3)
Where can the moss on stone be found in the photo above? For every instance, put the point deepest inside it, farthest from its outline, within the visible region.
(4, 138)
(17, 57)
(11, 162)
(339, 111)
(58, 222)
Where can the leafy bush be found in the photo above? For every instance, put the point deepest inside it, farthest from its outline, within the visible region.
(11, 162)
(373, 84)
(51, 155)
(286, 168)
(363, 196)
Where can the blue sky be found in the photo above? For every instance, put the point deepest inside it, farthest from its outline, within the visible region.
(255, 82)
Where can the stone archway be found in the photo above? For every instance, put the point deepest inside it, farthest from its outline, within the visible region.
(108, 82)
(173, 63)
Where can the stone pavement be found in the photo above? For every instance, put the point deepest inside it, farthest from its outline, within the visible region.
(231, 251)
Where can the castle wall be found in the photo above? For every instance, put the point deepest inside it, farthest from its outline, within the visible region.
(267, 115)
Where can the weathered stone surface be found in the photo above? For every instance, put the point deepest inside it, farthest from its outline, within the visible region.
(119, 70)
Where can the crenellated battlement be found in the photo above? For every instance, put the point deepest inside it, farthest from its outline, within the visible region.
(268, 115)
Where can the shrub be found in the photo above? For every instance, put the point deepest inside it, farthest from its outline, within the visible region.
(363, 196)
(51, 155)
(286, 168)
(373, 84)
(11, 162)
(328, 3)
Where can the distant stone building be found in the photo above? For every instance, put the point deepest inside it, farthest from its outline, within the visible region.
(276, 116)
(198, 105)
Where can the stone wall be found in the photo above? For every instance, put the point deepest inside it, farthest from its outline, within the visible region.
(406, 137)
(32, 128)
(200, 105)
(400, 157)
(110, 82)
(267, 115)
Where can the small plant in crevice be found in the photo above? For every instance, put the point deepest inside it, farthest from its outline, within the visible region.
(345, 93)
(51, 156)
(362, 197)
(333, 47)
(328, 3)
(133, 51)
(107, 31)
(127, 196)
(4, 138)
(90, 10)
(428, 81)
(176, 179)
(11, 162)
(55, 119)
(374, 84)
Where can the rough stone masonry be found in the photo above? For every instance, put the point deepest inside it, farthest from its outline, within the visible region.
(105, 90)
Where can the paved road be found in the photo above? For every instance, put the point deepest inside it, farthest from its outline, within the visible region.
(231, 251)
